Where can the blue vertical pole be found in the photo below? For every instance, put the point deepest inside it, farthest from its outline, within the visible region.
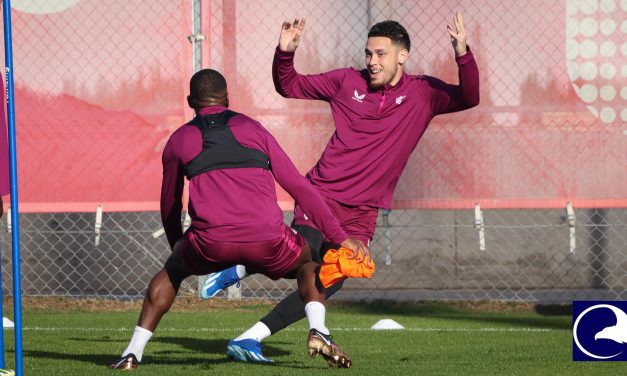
(17, 288)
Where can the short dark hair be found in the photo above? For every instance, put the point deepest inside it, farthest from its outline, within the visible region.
(393, 30)
(206, 83)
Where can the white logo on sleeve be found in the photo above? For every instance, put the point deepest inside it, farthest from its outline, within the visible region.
(357, 97)
(305, 216)
(400, 99)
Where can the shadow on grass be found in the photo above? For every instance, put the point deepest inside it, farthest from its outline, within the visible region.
(175, 357)
(100, 359)
(554, 309)
(212, 346)
(205, 346)
(159, 356)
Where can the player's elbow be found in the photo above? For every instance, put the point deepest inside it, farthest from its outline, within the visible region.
(473, 101)
(279, 89)
(277, 84)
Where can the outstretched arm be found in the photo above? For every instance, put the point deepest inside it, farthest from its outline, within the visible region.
(303, 192)
(447, 98)
(172, 194)
(309, 199)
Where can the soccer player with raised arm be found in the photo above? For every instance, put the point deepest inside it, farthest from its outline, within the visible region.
(380, 114)
(231, 162)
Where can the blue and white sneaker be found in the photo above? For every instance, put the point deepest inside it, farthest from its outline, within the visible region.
(246, 350)
(216, 282)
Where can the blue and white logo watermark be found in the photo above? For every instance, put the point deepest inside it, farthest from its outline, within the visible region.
(599, 331)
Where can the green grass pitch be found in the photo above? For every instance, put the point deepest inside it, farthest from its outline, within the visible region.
(439, 339)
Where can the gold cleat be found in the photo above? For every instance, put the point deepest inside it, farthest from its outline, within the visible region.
(125, 363)
(321, 344)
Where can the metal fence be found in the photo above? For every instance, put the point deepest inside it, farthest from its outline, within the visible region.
(96, 97)
(526, 255)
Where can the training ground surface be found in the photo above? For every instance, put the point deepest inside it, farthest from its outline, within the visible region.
(79, 337)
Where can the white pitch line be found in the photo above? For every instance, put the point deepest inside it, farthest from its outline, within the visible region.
(192, 330)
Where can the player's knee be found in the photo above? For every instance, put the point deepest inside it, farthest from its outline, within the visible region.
(308, 269)
(176, 270)
(309, 286)
(304, 259)
(306, 254)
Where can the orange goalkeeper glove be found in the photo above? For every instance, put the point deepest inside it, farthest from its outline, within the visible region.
(338, 265)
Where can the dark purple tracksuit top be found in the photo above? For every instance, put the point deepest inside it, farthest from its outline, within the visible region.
(236, 204)
(376, 130)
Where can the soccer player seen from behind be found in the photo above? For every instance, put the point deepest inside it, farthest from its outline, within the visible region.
(231, 162)
(380, 114)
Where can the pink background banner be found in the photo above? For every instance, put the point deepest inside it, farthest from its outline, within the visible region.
(101, 85)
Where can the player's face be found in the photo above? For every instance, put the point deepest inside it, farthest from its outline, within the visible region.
(384, 61)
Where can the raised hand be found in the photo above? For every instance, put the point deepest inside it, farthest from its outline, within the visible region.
(458, 35)
(291, 34)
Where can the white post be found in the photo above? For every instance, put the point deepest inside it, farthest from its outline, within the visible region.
(98, 225)
(234, 292)
(572, 222)
(479, 225)
(387, 236)
(158, 233)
